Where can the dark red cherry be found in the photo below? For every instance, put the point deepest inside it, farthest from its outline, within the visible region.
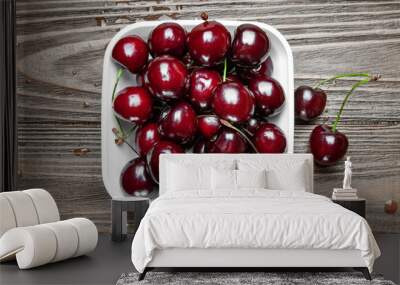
(250, 45)
(166, 78)
(208, 126)
(233, 101)
(269, 138)
(269, 95)
(135, 178)
(252, 125)
(168, 38)
(153, 156)
(131, 52)
(179, 123)
(202, 84)
(309, 103)
(208, 43)
(327, 146)
(200, 146)
(133, 104)
(146, 137)
(228, 141)
(264, 69)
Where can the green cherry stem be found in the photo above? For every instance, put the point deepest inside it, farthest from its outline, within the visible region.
(120, 72)
(346, 98)
(229, 125)
(342, 75)
(225, 70)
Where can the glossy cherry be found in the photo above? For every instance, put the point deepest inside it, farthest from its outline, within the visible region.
(391, 207)
(131, 52)
(208, 126)
(153, 156)
(135, 178)
(146, 137)
(166, 78)
(327, 146)
(202, 84)
(264, 69)
(269, 138)
(269, 95)
(168, 38)
(233, 101)
(309, 103)
(252, 125)
(250, 45)
(133, 104)
(179, 123)
(208, 43)
(228, 141)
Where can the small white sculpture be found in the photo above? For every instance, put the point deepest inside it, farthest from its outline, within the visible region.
(347, 174)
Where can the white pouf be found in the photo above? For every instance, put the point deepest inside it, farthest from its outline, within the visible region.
(31, 232)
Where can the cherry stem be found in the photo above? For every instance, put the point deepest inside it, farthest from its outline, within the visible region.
(120, 72)
(342, 75)
(225, 70)
(346, 98)
(229, 125)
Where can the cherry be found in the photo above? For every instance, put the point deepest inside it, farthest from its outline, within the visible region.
(200, 146)
(168, 38)
(146, 137)
(228, 141)
(269, 138)
(233, 102)
(309, 103)
(391, 207)
(133, 104)
(208, 126)
(153, 156)
(327, 146)
(135, 178)
(264, 69)
(252, 125)
(166, 78)
(269, 95)
(179, 123)
(131, 52)
(208, 43)
(250, 45)
(202, 84)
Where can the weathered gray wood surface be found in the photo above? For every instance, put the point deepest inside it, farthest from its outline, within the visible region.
(60, 49)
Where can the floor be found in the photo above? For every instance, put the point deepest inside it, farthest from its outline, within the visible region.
(104, 266)
(110, 260)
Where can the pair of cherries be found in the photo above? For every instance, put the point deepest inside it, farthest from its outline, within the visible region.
(327, 144)
(182, 101)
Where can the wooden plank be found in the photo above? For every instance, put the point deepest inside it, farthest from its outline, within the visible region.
(60, 49)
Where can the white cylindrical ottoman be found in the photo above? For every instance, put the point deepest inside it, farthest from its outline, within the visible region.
(40, 244)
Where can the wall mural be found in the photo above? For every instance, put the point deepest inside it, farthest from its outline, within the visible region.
(59, 84)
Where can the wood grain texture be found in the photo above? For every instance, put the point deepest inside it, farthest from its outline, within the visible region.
(60, 49)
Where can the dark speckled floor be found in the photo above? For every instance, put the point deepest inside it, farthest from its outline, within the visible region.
(103, 266)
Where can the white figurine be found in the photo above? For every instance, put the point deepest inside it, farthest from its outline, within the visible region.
(347, 174)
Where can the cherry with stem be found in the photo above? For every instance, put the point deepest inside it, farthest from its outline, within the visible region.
(227, 123)
(120, 132)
